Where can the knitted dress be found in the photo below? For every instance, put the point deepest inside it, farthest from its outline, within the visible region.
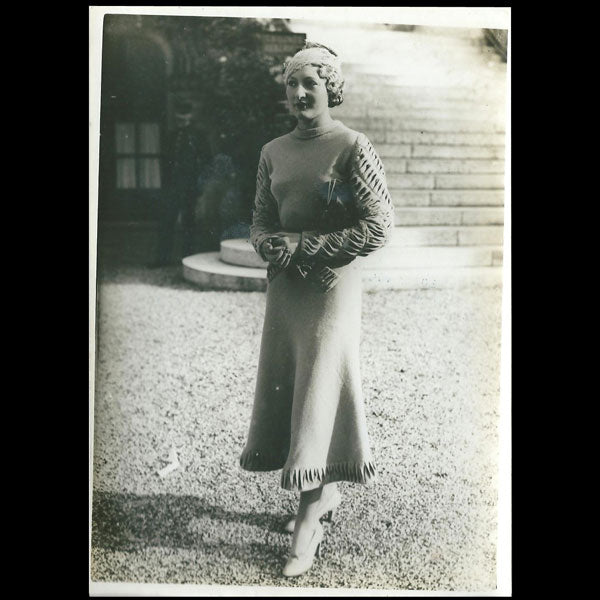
(326, 188)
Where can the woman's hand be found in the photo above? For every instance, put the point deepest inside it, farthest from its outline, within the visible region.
(278, 251)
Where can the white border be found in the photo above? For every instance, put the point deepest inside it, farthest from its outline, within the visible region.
(95, 54)
(504, 541)
(164, 589)
(452, 16)
(484, 17)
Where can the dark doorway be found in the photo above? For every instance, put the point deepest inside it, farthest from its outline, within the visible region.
(132, 125)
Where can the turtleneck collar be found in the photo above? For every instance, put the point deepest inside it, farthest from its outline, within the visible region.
(305, 134)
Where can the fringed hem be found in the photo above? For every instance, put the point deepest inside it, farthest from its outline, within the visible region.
(253, 460)
(308, 479)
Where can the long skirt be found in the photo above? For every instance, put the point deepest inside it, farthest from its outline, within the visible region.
(308, 417)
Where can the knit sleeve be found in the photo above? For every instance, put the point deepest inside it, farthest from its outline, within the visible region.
(374, 211)
(265, 217)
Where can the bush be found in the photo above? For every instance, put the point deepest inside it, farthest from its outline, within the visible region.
(235, 84)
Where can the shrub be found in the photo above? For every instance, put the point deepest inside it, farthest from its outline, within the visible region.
(240, 98)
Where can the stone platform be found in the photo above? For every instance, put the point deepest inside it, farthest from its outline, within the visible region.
(238, 267)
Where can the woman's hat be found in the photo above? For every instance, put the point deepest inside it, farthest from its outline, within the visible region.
(312, 54)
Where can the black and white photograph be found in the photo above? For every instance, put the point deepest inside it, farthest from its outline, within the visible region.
(300, 301)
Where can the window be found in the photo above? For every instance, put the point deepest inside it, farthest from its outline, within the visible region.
(137, 147)
(132, 124)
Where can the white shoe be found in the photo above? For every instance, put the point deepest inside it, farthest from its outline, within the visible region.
(300, 563)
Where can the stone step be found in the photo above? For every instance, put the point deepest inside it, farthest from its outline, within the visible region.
(418, 39)
(448, 235)
(378, 137)
(442, 60)
(240, 252)
(415, 97)
(435, 215)
(438, 181)
(411, 257)
(466, 54)
(360, 106)
(365, 111)
(438, 151)
(467, 82)
(436, 138)
(208, 272)
(387, 151)
(423, 235)
(385, 90)
(355, 105)
(423, 125)
(455, 52)
(467, 198)
(485, 83)
(391, 151)
(443, 165)
(396, 254)
(410, 197)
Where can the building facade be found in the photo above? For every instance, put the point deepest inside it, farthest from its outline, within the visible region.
(149, 65)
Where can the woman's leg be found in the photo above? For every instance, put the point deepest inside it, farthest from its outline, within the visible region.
(309, 512)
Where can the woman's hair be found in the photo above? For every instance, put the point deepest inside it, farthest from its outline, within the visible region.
(328, 67)
(334, 84)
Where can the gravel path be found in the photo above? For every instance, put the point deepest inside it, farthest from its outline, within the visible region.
(176, 368)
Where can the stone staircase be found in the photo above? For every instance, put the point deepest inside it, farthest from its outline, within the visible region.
(432, 103)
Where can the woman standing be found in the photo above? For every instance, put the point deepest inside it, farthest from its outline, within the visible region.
(323, 186)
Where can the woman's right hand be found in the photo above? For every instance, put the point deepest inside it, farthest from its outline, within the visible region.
(277, 251)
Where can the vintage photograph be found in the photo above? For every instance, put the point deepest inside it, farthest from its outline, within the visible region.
(299, 301)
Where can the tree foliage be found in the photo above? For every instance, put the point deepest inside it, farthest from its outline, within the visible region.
(236, 84)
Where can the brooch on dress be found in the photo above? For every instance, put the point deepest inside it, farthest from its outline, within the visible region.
(339, 211)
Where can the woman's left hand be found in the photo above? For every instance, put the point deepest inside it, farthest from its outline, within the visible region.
(278, 251)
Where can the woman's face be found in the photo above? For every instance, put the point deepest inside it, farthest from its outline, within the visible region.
(307, 95)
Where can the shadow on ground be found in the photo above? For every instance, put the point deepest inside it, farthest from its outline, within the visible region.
(129, 522)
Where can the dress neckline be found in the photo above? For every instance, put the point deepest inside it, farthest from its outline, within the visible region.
(305, 134)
